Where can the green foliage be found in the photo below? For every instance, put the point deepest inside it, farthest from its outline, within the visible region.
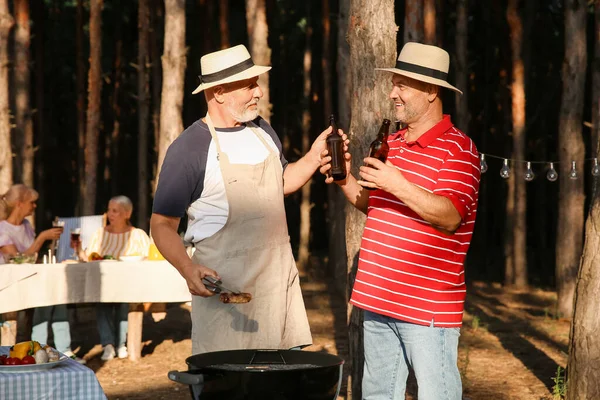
(559, 390)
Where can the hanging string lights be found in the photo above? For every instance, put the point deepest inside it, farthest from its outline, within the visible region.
(529, 174)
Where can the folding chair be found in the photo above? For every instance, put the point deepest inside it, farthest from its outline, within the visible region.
(88, 225)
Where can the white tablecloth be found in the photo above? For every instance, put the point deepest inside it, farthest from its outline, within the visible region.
(25, 286)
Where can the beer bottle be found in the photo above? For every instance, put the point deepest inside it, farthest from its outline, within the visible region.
(335, 148)
(379, 147)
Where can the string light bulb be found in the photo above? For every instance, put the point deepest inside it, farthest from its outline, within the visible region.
(529, 175)
(505, 171)
(573, 172)
(596, 168)
(483, 164)
(552, 175)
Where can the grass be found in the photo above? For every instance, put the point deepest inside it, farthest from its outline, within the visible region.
(559, 390)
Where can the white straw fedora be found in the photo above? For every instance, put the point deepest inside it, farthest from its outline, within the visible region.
(424, 63)
(225, 66)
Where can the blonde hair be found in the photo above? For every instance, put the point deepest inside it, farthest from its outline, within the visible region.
(16, 193)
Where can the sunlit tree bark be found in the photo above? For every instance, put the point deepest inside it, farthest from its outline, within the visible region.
(305, 204)
(583, 381)
(372, 39)
(413, 21)
(23, 132)
(429, 22)
(569, 240)
(518, 276)
(93, 111)
(6, 23)
(173, 65)
(258, 33)
(224, 23)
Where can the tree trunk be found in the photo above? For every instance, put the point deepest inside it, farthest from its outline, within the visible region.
(173, 64)
(429, 22)
(569, 240)
(93, 111)
(80, 89)
(413, 21)
(114, 141)
(584, 347)
(337, 201)
(224, 23)
(461, 63)
(6, 169)
(372, 39)
(38, 15)
(258, 34)
(519, 248)
(305, 204)
(24, 128)
(155, 50)
(509, 240)
(143, 112)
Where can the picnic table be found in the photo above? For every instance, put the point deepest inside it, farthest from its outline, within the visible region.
(24, 286)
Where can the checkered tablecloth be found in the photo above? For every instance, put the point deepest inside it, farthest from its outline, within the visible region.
(67, 381)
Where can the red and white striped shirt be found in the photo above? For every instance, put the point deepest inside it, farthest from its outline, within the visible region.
(407, 269)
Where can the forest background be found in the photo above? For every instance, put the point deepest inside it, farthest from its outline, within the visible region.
(92, 92)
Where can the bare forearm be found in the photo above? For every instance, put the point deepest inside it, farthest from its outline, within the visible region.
(298, 173)
(356, 194)
(169, 243)
(35, 246)
(437, 210)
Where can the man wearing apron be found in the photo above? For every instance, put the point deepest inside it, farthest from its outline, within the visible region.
(227, 172)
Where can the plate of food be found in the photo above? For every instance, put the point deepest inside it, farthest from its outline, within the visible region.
(29, 356)
(131, 258)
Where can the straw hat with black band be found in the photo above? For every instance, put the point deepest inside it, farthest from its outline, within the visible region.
(423, 63)
(226, 66)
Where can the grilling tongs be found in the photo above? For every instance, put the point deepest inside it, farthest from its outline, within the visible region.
(215, 285)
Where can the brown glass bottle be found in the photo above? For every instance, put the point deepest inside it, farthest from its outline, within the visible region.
(335, 149)
(379, 147)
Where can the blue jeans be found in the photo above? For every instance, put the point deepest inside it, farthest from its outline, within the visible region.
(393, 346)
(60, 326)
(112, 323)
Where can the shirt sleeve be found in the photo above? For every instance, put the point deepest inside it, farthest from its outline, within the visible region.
(181, 178)
(458, 178)
(5, 239)
(139, 243)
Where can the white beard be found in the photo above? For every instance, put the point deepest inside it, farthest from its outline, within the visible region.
(242, 114)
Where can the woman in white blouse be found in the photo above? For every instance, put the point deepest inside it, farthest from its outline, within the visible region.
(119, 238)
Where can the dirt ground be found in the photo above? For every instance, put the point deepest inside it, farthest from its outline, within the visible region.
(510, 345)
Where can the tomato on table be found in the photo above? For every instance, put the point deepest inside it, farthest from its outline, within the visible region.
(28, 360)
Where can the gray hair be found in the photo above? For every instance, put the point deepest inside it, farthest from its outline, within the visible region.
(124, 201)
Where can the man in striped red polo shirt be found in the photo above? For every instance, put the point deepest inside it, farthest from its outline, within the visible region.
(420, 218)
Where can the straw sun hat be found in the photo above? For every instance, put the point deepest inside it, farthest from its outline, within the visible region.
(225, 66)
(424, 63)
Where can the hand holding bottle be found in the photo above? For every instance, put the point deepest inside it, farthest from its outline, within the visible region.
(335, 161)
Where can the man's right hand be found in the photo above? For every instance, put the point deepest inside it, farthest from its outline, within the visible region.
(193, 274)
(325, 159)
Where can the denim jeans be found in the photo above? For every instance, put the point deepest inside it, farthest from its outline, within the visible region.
(60, 326)
(393, 346)
(112, 323)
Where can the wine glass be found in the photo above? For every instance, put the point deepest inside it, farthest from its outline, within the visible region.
(75, 237)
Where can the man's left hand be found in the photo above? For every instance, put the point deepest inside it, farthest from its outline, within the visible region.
(378, 175)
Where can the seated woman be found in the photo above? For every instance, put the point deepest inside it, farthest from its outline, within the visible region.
(16, 233)
(17, 236)
(118, 238)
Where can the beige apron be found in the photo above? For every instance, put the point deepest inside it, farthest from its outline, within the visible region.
(252, 254)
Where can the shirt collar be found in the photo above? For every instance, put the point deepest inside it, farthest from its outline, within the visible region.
(432, 134)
